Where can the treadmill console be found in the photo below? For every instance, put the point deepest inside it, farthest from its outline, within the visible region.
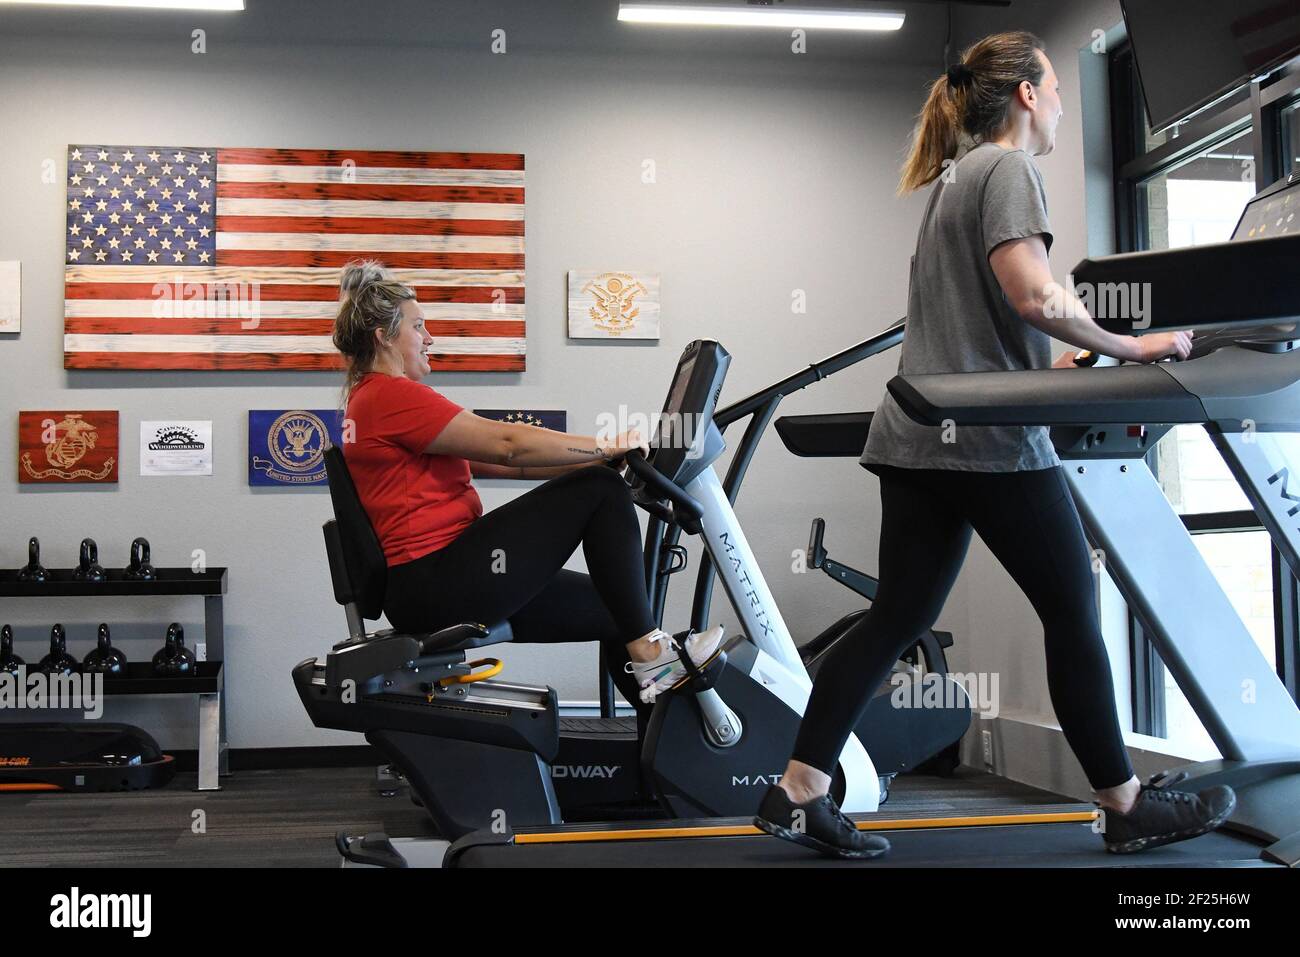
(1248, 282)
(687, 440)
(1274, 212)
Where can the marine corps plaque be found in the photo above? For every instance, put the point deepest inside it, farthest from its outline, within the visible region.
(64, 447)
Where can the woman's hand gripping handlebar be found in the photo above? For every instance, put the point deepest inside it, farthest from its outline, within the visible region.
(651, 490)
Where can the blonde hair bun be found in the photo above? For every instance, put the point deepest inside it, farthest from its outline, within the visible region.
(358, 275)
(369, 299)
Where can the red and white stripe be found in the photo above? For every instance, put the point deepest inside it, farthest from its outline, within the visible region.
(451, 225)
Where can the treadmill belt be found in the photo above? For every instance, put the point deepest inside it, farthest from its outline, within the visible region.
(1039, 845)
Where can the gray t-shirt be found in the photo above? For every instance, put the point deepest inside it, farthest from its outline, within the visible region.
(958, 320)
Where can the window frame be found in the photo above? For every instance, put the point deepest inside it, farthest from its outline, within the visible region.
(1288, 151)
(1258, 106)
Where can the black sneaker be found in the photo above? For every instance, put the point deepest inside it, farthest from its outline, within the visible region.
(1163, 815)
(823, 826)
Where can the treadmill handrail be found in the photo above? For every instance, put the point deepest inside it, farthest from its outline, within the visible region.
(1134, 393)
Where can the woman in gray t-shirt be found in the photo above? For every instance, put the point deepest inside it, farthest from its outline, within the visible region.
(982, 298)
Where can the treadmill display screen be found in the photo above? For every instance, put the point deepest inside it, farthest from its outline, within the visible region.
(1277, 214)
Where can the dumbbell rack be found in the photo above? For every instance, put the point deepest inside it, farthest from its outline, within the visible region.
(208, 682)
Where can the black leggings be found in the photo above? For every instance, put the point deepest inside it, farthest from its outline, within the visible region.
(509, 565)
(1030, 523)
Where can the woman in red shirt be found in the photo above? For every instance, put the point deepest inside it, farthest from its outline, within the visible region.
(412, 452)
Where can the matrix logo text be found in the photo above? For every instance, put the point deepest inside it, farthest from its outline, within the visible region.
(97, 911)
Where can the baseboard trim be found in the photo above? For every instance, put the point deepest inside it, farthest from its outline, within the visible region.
(286, 759)
(1031, 749)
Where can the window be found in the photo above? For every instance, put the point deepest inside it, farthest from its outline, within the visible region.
(1242, 562)
(1200, 200)
(1187, 186)
(1291, 136)
(1193, 475)
(1199, 486)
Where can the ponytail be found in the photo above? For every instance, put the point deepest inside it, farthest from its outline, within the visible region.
(973, 98)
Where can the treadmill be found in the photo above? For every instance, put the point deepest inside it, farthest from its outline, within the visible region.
(1242, 384)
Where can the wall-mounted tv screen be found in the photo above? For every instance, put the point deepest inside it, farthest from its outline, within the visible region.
(1191, 53)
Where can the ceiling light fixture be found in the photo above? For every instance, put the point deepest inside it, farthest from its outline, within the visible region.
(760, 16)
(143, 4)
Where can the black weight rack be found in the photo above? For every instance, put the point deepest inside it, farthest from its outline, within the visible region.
(208, 682)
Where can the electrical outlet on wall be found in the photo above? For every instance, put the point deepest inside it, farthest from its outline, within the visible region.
(201, 651)
(986, 743)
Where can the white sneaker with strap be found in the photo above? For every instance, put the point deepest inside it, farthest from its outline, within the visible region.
(667, 670)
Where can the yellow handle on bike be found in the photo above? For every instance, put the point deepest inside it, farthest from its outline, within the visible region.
(492, 667)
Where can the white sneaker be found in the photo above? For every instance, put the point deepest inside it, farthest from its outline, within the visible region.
(667, 671)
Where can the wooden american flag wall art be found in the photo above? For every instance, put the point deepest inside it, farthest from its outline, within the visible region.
(210, 258)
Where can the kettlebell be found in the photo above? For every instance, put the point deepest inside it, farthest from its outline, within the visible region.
(174, 660)
(58, 661)
(33, 571)
(88, 567)
(140, 569)
(9, 662)
(104, 658)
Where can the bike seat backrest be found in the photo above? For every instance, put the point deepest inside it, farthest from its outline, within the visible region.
(357, 563)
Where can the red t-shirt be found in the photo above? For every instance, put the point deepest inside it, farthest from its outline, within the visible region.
(417, 502)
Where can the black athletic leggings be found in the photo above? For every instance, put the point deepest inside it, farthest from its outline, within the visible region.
(1030, 523)
(509, 565)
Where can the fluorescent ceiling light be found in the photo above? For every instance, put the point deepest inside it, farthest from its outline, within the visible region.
(788, 18)
(151, 4)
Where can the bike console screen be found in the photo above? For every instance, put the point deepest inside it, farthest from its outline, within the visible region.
(688, 410)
